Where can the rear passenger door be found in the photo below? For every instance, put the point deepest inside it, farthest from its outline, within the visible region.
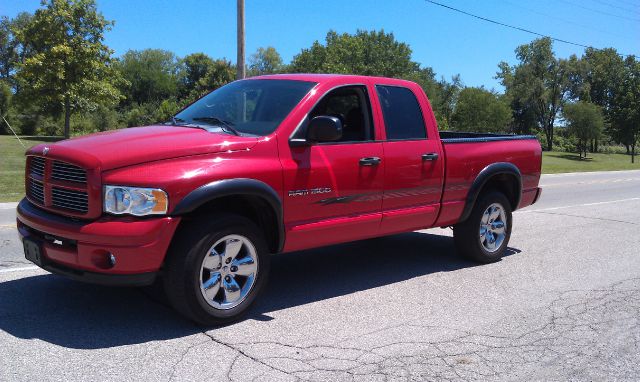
(413, 161)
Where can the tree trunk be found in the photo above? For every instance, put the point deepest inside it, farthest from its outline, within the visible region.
(549, 134)
(626, 146)
(67, 117)
(595, 146)
(633, 152)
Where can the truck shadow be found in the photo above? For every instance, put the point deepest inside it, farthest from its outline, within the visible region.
(82, 316)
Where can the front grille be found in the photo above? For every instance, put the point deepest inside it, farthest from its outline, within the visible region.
(36, 191)
(68, 172)
(77, 201)
(62, 187)
(37, 166)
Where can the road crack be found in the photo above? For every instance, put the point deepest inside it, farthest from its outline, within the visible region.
(578, 337)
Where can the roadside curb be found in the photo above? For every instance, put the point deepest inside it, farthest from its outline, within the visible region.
(8, 206)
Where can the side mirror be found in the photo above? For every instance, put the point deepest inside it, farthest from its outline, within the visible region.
(324, 128)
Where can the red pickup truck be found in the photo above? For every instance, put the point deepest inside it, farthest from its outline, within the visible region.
(261, 166)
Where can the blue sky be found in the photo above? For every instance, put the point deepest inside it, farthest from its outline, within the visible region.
(449, 42)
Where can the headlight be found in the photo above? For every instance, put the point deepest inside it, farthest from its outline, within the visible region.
(135, 201)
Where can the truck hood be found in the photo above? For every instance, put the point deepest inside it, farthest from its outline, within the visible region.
(126, 147)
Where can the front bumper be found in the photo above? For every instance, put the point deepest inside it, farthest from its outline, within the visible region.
(80, 250)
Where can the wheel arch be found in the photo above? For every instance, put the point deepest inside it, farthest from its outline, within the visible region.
(502, 176)
(247, 197)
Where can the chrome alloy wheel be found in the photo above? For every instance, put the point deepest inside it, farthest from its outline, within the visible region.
(228, 272)
(493, 227)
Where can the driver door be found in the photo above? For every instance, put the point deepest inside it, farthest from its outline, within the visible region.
(333, 190)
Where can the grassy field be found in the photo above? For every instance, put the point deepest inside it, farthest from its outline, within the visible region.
(12, 164)
(556, 162)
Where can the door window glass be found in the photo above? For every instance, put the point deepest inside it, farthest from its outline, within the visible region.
(402, 113)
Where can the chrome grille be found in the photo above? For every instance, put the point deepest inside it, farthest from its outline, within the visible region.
(68, 172)
(37, 166)
(70, 199)
(36, 191)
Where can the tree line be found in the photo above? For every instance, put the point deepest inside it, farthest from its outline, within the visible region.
(57, 76)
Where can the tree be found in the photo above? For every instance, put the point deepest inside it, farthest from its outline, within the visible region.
(150, 74)
(193, 67)
(265, 61)
(12, 52)
(5, 99)
(585, 122)
(221, 73)
(480, 110)
(68, 67)
(536, 87)
(366, 53)
(446, 100)
(626, 105)
(595, 78)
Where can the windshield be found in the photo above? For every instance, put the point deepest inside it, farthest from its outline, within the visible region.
(254, 107)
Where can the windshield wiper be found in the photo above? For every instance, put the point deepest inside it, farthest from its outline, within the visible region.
(176, 121)
(224, 125)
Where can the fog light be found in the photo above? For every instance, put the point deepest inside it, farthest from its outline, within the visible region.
(112, 260)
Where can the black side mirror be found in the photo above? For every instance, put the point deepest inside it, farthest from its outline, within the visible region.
(324, 128)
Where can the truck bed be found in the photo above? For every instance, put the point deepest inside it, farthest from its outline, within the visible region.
(467, 154)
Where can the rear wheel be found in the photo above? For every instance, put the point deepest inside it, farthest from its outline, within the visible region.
(484, 236)
(216, 269)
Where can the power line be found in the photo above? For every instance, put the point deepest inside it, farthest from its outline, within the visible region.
(588, 27)
(616, 6)
(512, 26)
(599, 11)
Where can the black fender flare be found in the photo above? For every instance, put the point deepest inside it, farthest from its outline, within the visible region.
(482, 179)
(237, 187)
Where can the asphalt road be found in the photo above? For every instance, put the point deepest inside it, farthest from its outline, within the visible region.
(563, 305)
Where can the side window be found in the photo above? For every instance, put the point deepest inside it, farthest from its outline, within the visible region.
(351, 105)
(402, 115)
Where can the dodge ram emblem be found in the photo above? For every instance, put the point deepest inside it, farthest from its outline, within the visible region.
(45, 151)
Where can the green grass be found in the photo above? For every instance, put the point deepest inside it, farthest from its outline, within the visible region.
(554, 162)
(12, 165)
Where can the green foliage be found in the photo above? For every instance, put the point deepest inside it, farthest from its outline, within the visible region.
(5, 99)
(265, 61)
(480, 110)
(193, 68)
(166, 110)
(140, 115)
(585, 122)
(445, 100)
(68, 68)
(625, 112)
(366, 53)
(12, 52)
(536, 87)
(150, 74)
(104, 119)
(220, 73)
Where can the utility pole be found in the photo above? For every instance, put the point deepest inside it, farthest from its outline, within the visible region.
(240, 61)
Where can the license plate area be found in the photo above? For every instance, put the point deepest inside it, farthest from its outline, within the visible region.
(33, 251)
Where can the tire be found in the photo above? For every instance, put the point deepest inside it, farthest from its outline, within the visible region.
(202, 284)
(491, 209)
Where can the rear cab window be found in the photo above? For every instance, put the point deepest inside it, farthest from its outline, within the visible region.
(403, 119)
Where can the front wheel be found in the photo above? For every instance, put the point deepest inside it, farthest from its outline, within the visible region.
(484, 236)
(216, 269)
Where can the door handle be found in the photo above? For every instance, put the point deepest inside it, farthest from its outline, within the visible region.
(430, 156)
(370, 161)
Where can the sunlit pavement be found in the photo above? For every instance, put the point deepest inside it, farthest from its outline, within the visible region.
(564, 304)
